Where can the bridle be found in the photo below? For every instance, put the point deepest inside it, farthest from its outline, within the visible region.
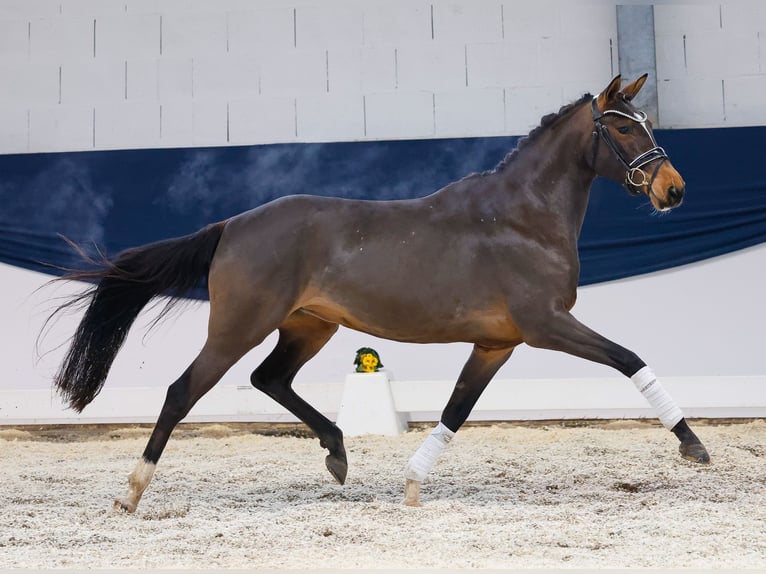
(635, 176)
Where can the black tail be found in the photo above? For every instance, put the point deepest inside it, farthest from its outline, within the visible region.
(123, 287)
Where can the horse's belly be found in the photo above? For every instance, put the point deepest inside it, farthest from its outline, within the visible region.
(416, 324)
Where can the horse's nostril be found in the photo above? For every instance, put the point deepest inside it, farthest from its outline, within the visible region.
(675, 194)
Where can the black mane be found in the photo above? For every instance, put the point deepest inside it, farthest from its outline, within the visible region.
(546, 121)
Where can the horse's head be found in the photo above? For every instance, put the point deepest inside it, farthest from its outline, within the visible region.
(631, 155)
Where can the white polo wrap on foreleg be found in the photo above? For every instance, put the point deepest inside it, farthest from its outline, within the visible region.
(425, 457)
(668, 411)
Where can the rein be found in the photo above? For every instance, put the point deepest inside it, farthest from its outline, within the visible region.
(635, 176)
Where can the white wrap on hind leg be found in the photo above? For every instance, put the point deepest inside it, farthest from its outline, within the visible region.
(421, 463)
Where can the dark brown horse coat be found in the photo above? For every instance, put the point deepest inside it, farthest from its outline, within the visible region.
(490, 260)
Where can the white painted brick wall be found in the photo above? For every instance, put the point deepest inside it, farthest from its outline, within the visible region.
(14, 40)
(293, 72)
(29, 84)
(127, 124)
(141, 80)
(14, 136)
(463, 111)
(327, 117)
(745, 100)
(92, 80)
(397, 114)
(194, 34)
(257, 31)
(128, 36)
(262, 119)
(392, 23)
(61, 39)
(175, 79)
(709, 57)
(347, 70)
(475, 21)
(318, 27)
(55, 127)
(226, 77)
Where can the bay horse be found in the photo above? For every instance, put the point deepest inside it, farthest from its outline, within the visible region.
(490, 260)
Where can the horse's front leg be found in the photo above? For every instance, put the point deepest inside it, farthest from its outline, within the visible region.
(562, 332)
(474, 378)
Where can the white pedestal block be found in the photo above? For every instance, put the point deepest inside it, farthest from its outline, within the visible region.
(367, 406)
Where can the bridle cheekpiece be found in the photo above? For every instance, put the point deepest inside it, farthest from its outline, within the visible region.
(635, 176)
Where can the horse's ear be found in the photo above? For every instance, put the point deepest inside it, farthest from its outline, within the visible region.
(631, 90)
(609, 93)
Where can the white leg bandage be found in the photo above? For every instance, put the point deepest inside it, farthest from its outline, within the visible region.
(425, 457)
(667, 410)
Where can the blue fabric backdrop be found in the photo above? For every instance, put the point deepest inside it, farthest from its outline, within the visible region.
(119, 199)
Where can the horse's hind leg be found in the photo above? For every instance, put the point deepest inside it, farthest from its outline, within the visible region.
(301, 337)
(474, 378)
(562, 332)
(204, 372)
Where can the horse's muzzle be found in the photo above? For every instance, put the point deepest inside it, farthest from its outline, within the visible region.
(675, 196)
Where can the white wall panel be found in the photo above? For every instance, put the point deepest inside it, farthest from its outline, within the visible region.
(396, 22)
(524, 107)
(501, 64)
(135, 123)
(705, 53)
(744, 16)
(294, 71)
(141, 79)
(210, 124)
(325, 26)
(720, 53)
(91, 80)
(175, 78)
(61, 127)
(29, 84)
(128, 36)
(431, 66)
(670, 56)
(746, 100)
(194, 34)
(256, 31)
(476, 21)
(187, 50)
(358, 70)
(325, 117)
(14, 40)
(176, 123)
(590, 64)
(525, 20)
(61, 39)
(686, 18)
(25, 10)
(92, 8)
(14, 137)
(262, 119)
(226, 77)
(464, 111)
(399, 114)
(688, 102)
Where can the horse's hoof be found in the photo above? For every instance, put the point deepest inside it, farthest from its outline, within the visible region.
(122, 505)
(694, 452)
(337, 466)
(412, 493)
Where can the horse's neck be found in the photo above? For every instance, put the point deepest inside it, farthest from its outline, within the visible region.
(551, 177)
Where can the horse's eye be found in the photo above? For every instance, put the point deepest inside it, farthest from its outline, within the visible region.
(624, 129)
